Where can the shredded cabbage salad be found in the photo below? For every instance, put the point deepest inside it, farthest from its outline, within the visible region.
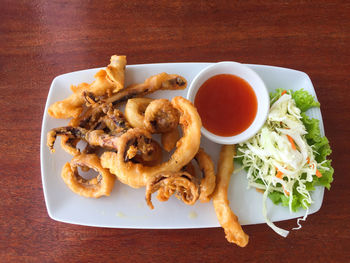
(287, 157)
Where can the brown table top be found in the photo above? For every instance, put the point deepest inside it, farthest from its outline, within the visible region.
(40, 40)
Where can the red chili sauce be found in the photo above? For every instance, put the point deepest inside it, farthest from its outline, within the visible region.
(227, 104)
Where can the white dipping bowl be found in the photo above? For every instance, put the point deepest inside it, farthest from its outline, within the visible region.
(254, 81)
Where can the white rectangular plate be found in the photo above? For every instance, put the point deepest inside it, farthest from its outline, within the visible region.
(126, 207)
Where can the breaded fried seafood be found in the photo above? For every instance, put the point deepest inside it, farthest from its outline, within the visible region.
(137, 175)
(184, 185)
(105, 83)
(227, 219)
(99, 186)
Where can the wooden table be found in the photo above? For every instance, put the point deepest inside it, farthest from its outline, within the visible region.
(40, 40)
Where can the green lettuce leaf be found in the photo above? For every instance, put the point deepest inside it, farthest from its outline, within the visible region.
(304, 100)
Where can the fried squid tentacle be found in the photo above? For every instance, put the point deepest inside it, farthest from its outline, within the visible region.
(114, 120)
(96, 187)
(182, 184)
(152, 84)
(69, 133)
(227, 219)
(148, 151)
(137, 175)
(70, 145)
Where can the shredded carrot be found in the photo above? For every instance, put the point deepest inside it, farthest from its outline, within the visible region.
(291, 142)
(318, 173)
(279, 175)
(283, 92)
(259, 190)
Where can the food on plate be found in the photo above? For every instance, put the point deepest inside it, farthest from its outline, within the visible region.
(189, 168)
(115, 72)
(97, 106)
(105, 83)
(232, 102)
(183, 184)
(227, 219)
(169, 139)
(101, 138)
(161, 116)
(68, 144)
(99, 186)
(135, 111)
(287, 158)
(187, 185)
(162, 81)
(146, 150)
(151, 157)
(113, 122)
(71, 106)
(136, 175)
(130, 153)
(207, 182)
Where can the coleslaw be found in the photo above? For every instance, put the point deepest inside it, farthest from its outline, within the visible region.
(287, 158)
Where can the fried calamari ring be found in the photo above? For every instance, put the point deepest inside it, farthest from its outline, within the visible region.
(169, 139)
(135, 111)
(116, 72)
(137, 175)
(135, 115)
(228, 220)
(182, 184)
(206, 165)
(161, 116)
(96, 187)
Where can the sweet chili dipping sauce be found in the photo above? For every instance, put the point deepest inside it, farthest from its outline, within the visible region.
(227, 104)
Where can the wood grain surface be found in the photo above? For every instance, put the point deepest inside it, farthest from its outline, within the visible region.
(42, 39)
